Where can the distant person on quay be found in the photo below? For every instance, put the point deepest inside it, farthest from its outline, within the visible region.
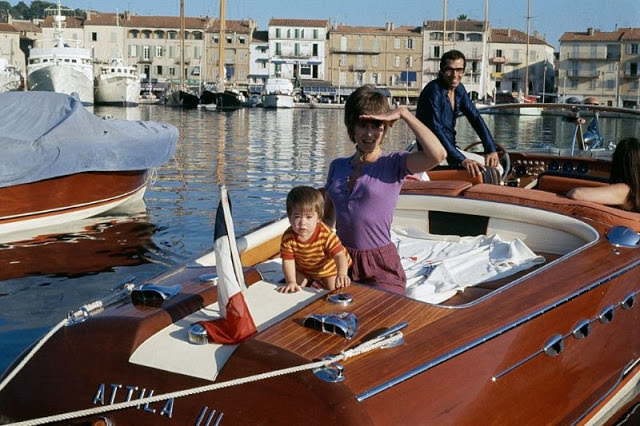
(623, 190)
(441, 101)
(363, 188)
(311, 252)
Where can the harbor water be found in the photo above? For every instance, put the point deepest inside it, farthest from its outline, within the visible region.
(259, 154)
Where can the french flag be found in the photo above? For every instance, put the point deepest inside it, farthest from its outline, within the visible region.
(236, 324)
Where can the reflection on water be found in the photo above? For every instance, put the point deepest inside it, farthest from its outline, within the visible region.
(259, 154)
(88, 246)
(526, 131)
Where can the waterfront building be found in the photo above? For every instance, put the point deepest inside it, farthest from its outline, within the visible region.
(26, 32)
(508, 64)
(73, 31)
(106, 37)
(630, 69)
(10, 36)
(297, 48)
(326, 59)
(154, 43)
(604, 64)
(471, 37)
(150, 42)
(236, 60)
(386, 56)
(258, 61)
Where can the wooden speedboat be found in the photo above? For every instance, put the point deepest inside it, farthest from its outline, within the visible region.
(61, 163)
(543, 332)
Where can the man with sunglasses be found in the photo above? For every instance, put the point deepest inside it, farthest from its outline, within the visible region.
(441, 101)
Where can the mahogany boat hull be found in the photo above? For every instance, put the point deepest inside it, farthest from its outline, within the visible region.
(66, 198)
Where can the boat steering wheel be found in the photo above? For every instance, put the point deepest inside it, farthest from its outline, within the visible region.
(503, 157)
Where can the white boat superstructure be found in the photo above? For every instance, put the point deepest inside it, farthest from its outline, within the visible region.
(61, 68)
(278, 93)
(117, 84)
(10, 78)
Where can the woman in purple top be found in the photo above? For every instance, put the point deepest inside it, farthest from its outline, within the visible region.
(363, 189)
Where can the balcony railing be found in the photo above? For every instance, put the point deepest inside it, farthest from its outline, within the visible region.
(587, 56)
(356, 51)
(296, 56)
(583, 74)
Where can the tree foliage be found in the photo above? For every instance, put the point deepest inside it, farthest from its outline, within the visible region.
(36, 10)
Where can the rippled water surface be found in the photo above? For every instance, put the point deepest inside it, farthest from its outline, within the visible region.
(259, 154)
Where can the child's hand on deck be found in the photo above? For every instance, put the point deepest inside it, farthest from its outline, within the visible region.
(289, 288)
(343, 281)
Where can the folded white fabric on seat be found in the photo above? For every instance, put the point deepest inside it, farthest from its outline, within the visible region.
(437, 267)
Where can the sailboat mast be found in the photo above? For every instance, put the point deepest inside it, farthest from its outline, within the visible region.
(526, 66)
(182, 29)
(221, 39)
(444, 25)
(483, 69)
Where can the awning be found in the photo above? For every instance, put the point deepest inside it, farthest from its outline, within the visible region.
(319, 90)
(335, 91)
(401, 93)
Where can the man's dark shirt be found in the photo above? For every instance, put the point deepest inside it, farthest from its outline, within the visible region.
(434, 110)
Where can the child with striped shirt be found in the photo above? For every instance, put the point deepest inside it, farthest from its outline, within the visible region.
(310, 250)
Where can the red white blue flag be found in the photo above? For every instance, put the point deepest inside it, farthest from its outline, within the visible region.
(236, 323)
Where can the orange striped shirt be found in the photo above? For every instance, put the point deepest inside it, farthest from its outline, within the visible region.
(314, 257)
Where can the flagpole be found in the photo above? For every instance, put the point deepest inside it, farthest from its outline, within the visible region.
(228, 221)
(236, 323)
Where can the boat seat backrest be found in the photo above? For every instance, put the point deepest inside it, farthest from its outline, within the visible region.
(444, 173)
(548, 232)
(436, 187)
(489, 175)
(555, 202)
(562, 183)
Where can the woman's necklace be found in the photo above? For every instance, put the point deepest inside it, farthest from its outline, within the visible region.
(357, 160)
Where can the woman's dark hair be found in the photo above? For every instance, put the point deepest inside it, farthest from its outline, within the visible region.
(625, 168)
(364, 100)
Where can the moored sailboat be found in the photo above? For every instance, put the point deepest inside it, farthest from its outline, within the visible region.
(182, 96)
(227, 96)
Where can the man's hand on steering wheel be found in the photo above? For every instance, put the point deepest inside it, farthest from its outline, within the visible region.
(502, 155)
(474, 167)
(492, 159)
